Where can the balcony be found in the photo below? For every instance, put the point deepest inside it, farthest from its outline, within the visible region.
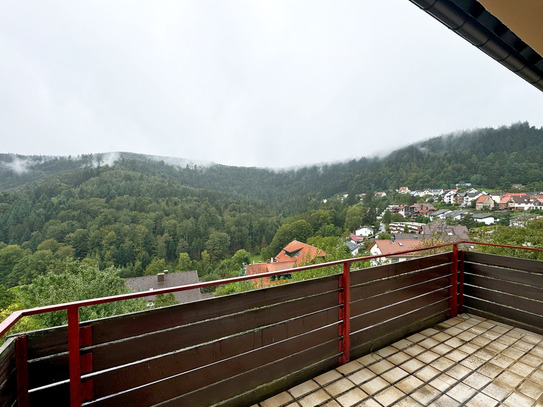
(421, 331)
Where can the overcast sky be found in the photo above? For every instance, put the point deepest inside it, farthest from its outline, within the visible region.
(252, 83)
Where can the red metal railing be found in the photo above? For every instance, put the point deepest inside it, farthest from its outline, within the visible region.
(72, 309)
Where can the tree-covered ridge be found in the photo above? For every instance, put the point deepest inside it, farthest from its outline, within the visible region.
(494, 158)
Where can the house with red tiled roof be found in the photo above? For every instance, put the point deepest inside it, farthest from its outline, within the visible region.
(484, 202)
(259, 268)
(300, 253)
(389, 247)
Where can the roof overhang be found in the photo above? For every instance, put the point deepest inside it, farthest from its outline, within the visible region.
(509, 31)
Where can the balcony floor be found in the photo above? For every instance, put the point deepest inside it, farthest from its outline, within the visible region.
(464, 361)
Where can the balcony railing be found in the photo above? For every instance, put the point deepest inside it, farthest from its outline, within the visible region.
(241, 348)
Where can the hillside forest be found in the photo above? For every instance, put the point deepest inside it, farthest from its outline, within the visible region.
(68, 221)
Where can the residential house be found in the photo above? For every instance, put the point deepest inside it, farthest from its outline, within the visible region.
(167, 280)
(419, 209)
(399, 227)
(456, 215)
(404, 190)
(354, 248)
(259, 268)
(299, 252)
(523, 219)
(484, 218)
(356, 239)
(450, 196)
(439, 214)
(292, 255)
(508, 202)
(526, 203)
(364, 231)
(445, 233)
(389, 247)
(484, 202)
(470, 196)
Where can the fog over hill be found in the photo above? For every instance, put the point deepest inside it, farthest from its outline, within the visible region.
(493, 158)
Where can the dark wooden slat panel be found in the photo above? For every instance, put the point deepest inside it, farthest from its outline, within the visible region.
(382, 286)
(114, 381)
(51, 341)
(389, 270)
(391, 297)
(532, 266)
(535, 280)
(507, 300)
(366, 320)
(505, 286)
(374, 333)
(499, 318)
(150, 321)
(153, 344)
(134, 349)
(383, 335)
(263, 392)
(8, 373)
(501, 311)
(316, 346)
(285, 370)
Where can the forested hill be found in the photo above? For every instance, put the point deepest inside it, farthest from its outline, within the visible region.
(493, 158)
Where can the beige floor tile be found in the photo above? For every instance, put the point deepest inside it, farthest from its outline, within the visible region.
(513, 352)
(351, 398)
(428, 343)
(537, 376)
(412, 365)
(407, 402)
(502, 361)
(369, 403)
(508, 378)
(416, 337)
(444, 401)
(461, 392)
(466, 336)
(328, 377)
(425, 394)
(280, 399)
(369, 359)
(480, 341)
(442, 363)
(477, 380)
(427, 373)
(457, 355)
(485, 354)
(482, 400)
(409, 384)
(429, 332)
(490, 370)
(458, 372)
(402, 344)
(386, 352)
(496, 346)
(339, 386)
(331, 403)
(472, 362)
(427, 357)
(389, 396)
(394, 375)
(531, 360)
(414, 350)
(518, 400)
(350, 367)
(497, 392)
(380, 367)
(454, 342)
(521, 369)
(374, 385)
(442, 349)
(304, 388)
(361, 376)
(398, 358)
(441, 385)
(314, 399)
(469, 348)
(531, 389)
(441, 337)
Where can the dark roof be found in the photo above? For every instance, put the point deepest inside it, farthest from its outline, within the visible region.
(473, 22)
(146, 283)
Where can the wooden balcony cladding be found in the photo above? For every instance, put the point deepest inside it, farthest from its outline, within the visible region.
(8, 374)
(392, 301)
(259, 337)
(505, 289)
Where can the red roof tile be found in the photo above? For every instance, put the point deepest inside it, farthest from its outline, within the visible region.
(299, 253)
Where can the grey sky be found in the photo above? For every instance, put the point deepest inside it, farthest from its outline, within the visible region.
(255, 83)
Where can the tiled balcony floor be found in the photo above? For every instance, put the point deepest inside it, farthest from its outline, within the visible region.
(464, 361)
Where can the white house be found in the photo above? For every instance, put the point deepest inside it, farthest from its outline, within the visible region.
(484, 218)
(364, 231)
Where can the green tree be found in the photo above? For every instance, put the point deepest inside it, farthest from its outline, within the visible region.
(217, 245)
(184, 263)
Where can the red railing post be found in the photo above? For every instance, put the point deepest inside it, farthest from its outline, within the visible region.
(74, 356)
(345, 315)
(453, 292)
(21, 361)
(461, 254)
